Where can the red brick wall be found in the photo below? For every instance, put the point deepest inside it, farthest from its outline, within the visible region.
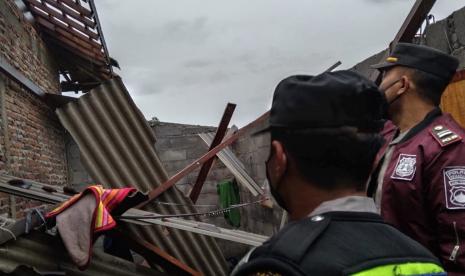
(31, 137)
(36, 138)
(22, 47)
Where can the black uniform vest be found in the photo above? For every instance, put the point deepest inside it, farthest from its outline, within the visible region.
(335, 243)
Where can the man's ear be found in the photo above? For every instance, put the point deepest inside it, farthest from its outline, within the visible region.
(279, 163)
(405, 81)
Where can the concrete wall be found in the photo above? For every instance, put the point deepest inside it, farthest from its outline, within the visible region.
(179, 145)
(31, 138)
(253, 151)
(447, 35)
(78, 178)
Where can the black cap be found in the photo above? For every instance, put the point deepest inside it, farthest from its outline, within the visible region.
(331, 99)
(423, 58)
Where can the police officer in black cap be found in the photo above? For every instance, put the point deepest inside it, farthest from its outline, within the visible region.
(419, 180)
(324, 138)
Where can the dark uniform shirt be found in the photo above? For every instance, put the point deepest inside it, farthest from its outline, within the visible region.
(344, 236)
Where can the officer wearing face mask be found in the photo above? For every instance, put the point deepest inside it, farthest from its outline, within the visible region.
(324, 138)
(419, 180)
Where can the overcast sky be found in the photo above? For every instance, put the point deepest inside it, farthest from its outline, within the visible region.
(184, 60)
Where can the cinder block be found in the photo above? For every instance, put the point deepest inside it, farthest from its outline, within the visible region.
(460, 54)
(436, 36)
(162, 144)
(260, 155)
(187, 141)
(165, 130)
(196, 151)
(173, 155)
(259, 173)
(208, 199)
(175, 166)
(459, 23)
(209, 187)
(218, 174)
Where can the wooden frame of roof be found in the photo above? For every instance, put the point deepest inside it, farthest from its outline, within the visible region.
(72, 29)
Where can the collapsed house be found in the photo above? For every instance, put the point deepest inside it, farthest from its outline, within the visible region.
(53, 145)
(49, 47)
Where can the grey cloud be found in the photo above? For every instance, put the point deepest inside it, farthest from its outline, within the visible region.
(383, 1)
(182, 29)
(178, 55)
(198, 63)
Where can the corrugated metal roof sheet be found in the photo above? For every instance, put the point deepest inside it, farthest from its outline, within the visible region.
(35, 191)
(44, 252)
(117, 149)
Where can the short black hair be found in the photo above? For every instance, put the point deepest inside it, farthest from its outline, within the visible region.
(430, 87)
(331, 158)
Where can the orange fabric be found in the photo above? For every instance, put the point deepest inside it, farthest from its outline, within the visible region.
(453, 100)
(106, 199)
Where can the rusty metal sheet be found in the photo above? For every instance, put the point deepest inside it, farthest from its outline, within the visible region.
(117, 149)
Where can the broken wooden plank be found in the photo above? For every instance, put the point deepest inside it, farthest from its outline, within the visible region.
(207, 156)
(155, 255)
(205, 169)
(409, 28)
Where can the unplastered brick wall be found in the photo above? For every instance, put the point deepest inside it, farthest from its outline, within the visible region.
(31, 138)
(23, 48)
(36, 138)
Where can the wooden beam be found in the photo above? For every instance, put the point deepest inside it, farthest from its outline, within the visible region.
(74, 14)
(70, 33)
(407, 31)
(80, 9)
(90, 55)
(207, 156)
(155, 255)
(413, 22)
(219, 135)
(45, 12)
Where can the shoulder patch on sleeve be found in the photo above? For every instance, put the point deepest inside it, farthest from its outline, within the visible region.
(454, 187)
(444, 136)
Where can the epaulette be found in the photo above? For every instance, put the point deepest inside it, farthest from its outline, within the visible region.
(444, 136)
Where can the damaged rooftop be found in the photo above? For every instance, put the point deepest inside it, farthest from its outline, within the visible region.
(175, 198)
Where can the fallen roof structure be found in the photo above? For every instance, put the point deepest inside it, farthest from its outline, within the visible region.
(199, 228)
(117, 149)
(43, 254)
(44, 193)
(72, 29)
